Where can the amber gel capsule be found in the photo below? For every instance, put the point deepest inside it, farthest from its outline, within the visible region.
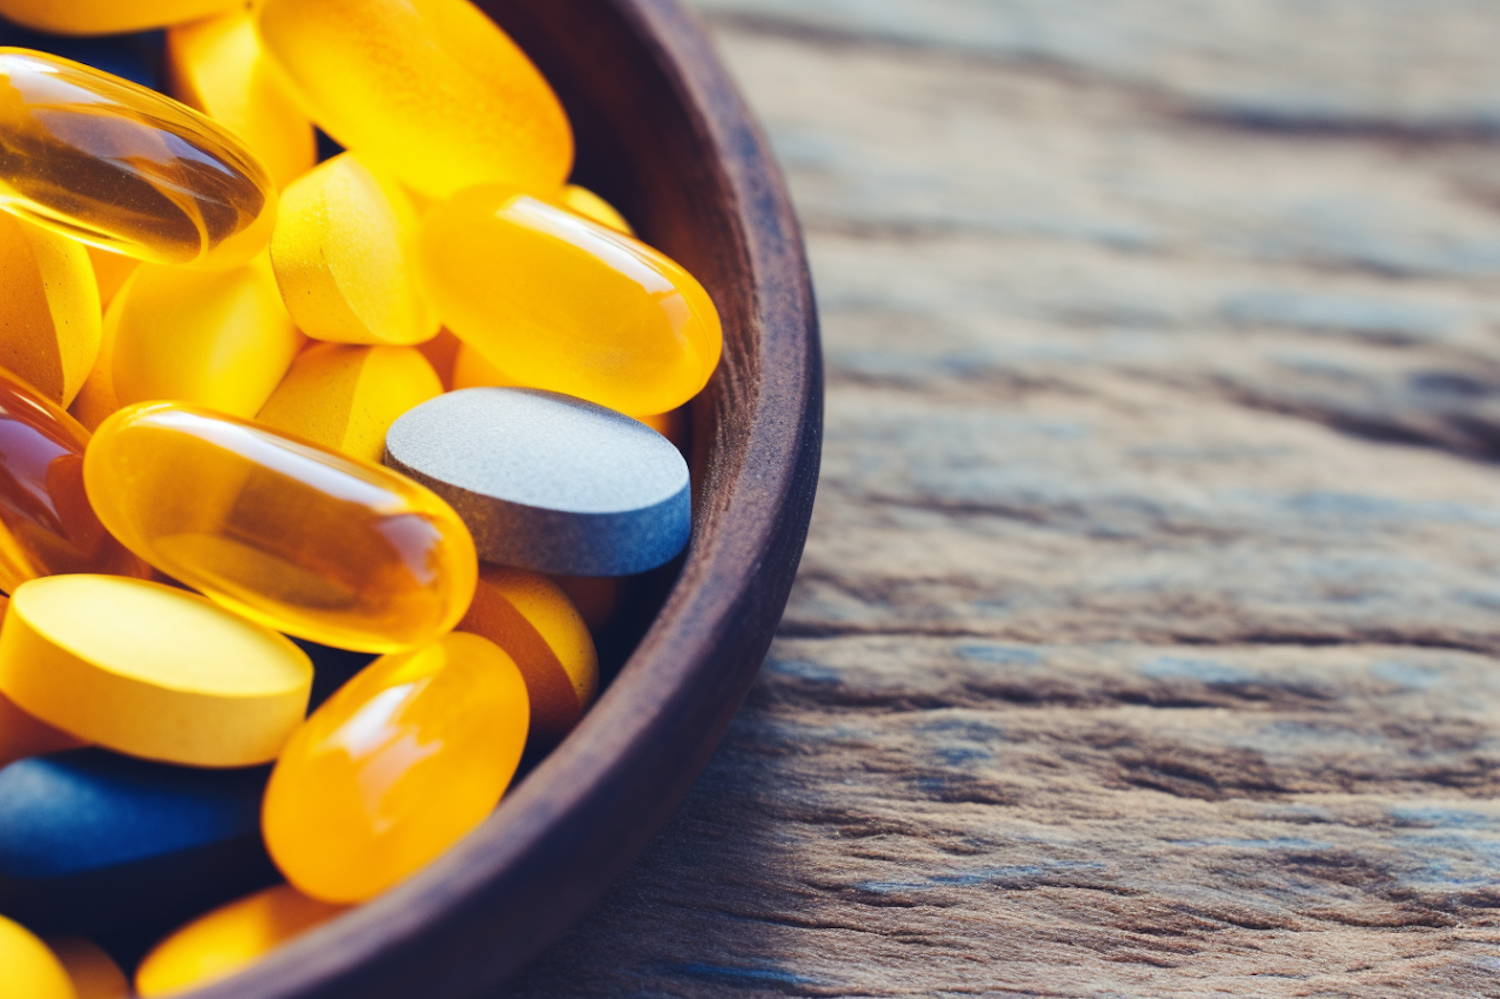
(562, 303)
(289, 534)
(405, 759)
(47, 526)
(114, 164)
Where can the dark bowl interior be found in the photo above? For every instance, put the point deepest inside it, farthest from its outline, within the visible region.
(662, 134)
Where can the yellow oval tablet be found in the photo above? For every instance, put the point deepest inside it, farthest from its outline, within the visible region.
(107, 17)
(346, 397)
(152, 671)
(94, 973)
(49, 324)
(340, 253)
(220, 339)
(529, 616)
(229, 938)
(110, 271)
(582, 201)
(432, 90)
(28, 968)
(216, 65)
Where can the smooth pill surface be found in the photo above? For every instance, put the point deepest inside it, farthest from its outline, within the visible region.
(548, 482)
(47, 525)
(394, 768)
(530, 617)
(28, 969)
(231, 937)
(49, 325)
(151, 670)
(216, 66)
(431, 90)
(94, 973)
(346, 397)
(341, 255)
(582, 201)
(115, 164)
(107, 17)
(220, 339)
(562, 303)
(92, 842)
(21, 735)
(289, 534)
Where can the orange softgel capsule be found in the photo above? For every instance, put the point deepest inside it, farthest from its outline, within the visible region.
(114, 164)
(404, 760)
(289, 534)
(46, 523)
(561, 303)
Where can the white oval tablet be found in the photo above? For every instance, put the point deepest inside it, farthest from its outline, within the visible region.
(548, 482)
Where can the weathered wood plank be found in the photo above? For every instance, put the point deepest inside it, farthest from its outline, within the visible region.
(1146, 640)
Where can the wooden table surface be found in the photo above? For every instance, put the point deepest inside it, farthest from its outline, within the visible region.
(1145, 644)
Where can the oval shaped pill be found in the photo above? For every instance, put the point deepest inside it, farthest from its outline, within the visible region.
(28, 969)
(220, 339)
(21, 735)
(346, 397)
(582, 201)
(562, 303)
(94, 974)
(471, 109)
(93, 842)
(548, 482)
(289, 534)
(532, 619)
(151, 670)
(47, 525)
(341, 255)
(216, 66)
(595, 597)
(218, 944)
(107, 17)
(112, 163)
(50, 315)
(404, 760)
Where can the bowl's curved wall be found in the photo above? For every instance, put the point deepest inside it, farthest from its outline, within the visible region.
(663, 134)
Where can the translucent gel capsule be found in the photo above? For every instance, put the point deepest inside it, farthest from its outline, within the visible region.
(49, 315)
(107, 17)
(94, 973)
(28, 969)
(431, 90)
(220, 338)
(289, 534)
(341, 250)
(394, 768)
(216, 65)
(125, 168)
(346, 397)
(562, 303)
(228, 939)
(530, 616)
(582, 201)
(471, 369)
(47, 526)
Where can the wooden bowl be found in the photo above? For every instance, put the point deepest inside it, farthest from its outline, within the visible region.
(663, 134)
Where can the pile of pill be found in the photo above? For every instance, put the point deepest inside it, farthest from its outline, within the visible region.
(331, 417)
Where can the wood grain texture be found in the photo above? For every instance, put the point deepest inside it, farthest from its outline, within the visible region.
(1145, 643)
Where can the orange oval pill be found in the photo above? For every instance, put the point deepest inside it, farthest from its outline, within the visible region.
(399, 764)
(292, 535)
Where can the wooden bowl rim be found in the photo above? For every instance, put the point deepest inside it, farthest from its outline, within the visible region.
(729, 578)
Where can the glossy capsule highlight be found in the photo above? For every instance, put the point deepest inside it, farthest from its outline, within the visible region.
(287, 533)
(125, 168)
(47, 526)
(406, 758)
(558, 302)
